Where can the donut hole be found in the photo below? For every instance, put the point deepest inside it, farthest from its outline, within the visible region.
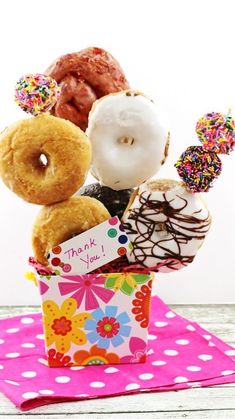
(126, 140)
(163, 185)
(161, 229)
(43, 160)
(39, 161)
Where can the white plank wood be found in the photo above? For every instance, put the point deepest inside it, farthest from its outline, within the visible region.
(213, 414)
(200, 313)
(196, 399)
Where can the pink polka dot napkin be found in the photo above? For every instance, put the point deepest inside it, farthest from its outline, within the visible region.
(180, 355)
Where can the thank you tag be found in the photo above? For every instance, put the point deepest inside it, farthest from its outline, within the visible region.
(91, 249)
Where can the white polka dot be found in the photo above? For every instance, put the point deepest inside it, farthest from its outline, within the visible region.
(28, 345)
(158, 363)
(62, 379)
(30, 395)
(194, 384)
(97, 384)
(182, 342)
(180, 379)
(27, 320)
(230, 352)
(76, 368)
(211, 344)
(13, 330)
(227, 372)
(29, 374)
(43, 361)
(14, 383)
(161, 324)
(207, 337)
(150, 352)
(1, 367)
(46, 392)
(2, 341)
(152, 337)
(146, 376)
(190, 328)
(193, 368)
(205, 357)
(132, 386)
(110, 370)
(170, 315)
(171, 352)
(13, 355)
(40, 336)
(81, 395)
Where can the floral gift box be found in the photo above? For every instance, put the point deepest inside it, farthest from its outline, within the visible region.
(95, 319)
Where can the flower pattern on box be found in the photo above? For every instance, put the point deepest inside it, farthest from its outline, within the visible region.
(88, 287)
(141, 304)
(126, 282)
(96, 356)
(138, 349)
(62, 325)
(56, 359)
(108, 327)
(113, 332)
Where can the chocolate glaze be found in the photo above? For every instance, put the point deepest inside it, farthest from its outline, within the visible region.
(177, 227)
(115, 201)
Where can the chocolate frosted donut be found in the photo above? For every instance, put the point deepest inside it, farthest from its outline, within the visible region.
(84, 77)
(166, 224)
(115, 201)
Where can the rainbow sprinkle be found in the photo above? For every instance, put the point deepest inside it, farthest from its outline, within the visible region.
(36, 93)
(198, 168)
(216, 132)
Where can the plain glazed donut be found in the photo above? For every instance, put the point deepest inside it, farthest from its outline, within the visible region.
(66, 152)
(84, 77)
(59, 222)
(129, 139)
(166, 224)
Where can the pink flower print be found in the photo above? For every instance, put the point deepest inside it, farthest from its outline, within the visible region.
(88, 286)
(138, 348)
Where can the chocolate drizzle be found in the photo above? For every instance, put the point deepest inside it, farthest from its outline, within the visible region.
(176, 228)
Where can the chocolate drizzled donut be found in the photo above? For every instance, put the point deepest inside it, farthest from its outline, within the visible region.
(166, 224)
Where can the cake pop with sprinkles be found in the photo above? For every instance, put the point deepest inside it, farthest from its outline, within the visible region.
(36, 93)
(198, 168)
(216, 132)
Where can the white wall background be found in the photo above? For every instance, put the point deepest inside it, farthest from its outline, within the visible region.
(179, 52)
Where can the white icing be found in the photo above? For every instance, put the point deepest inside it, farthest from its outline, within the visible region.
(169, 236)
(115, 163)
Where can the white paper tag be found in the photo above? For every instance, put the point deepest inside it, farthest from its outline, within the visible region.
(91, 249)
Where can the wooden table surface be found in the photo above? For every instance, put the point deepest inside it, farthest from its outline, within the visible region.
(197, 403)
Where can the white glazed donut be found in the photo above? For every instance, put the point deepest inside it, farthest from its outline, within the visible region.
(167, 224)
(129, 139)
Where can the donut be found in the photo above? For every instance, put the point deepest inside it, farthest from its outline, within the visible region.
(44, 159)
(166, 224)
(61, 221)
(115, 201)
(129, 139)
(84, 77)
